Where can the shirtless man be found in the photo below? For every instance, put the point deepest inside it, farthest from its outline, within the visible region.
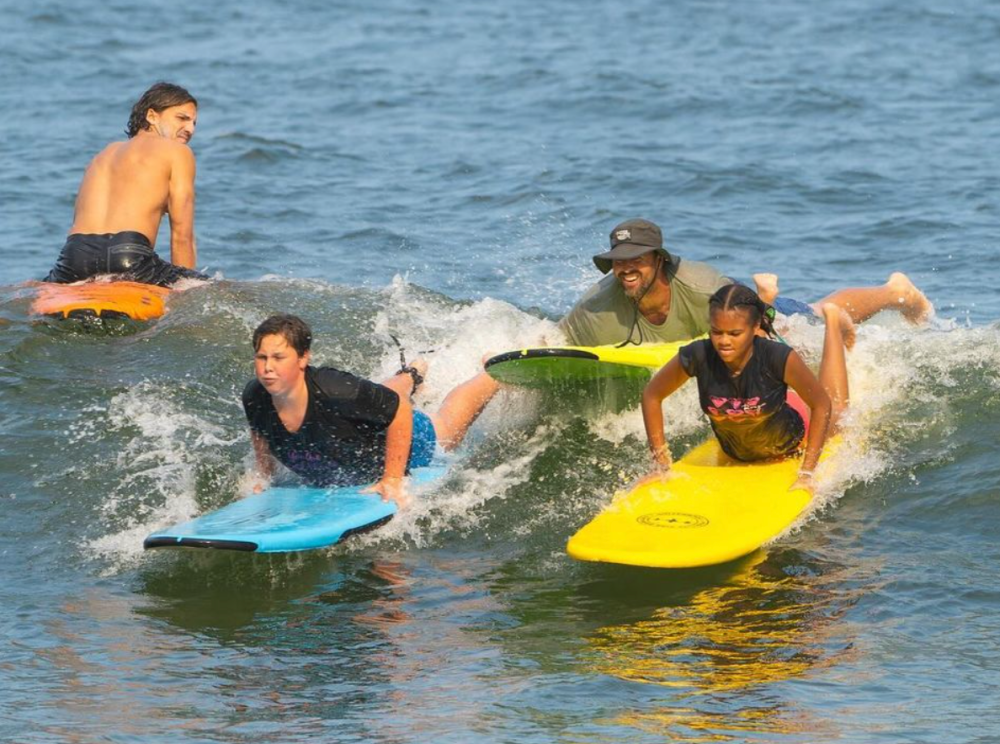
(127, 189)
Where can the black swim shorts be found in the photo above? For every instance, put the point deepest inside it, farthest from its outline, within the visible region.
(128, 255)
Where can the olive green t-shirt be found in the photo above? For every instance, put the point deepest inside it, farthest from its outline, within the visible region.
(604, 315)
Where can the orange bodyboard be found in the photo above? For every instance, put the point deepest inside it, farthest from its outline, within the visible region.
(101, 300)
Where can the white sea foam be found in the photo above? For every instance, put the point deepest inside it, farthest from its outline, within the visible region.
(460, 336)
(456, 339)
(453, 504)
(893, 368)
(881, 376)
(157, 465)
(897, 373)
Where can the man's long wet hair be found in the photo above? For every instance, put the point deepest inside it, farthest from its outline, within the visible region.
(734, 296)
(161, 96)
(290, 327)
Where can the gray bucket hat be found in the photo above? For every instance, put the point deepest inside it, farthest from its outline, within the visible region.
(630, 239)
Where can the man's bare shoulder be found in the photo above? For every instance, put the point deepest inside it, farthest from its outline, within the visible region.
(181, 160)
(178, 149)
(160, 148)
(108, 153)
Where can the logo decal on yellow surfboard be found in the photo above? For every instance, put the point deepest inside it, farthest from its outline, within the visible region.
(672, 520)
(709, 516)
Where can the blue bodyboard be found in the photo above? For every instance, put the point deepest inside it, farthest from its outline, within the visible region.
(285, 519)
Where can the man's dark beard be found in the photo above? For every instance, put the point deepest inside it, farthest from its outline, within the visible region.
(637, 293)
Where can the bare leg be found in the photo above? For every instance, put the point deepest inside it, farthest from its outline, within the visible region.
(767, 290)
(898, 293)
(833, 367)
(461, 407)
(767, 286)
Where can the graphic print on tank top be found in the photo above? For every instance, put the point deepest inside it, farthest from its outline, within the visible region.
(748, 412)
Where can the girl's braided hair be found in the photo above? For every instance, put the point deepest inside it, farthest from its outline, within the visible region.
(732, 296)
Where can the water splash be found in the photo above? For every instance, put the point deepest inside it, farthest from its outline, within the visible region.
(182, 449)
(166, 450)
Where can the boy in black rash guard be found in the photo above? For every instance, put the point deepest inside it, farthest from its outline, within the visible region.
(743, 382)
(336, 429)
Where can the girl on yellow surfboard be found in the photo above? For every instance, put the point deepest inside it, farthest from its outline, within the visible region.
(743, 386)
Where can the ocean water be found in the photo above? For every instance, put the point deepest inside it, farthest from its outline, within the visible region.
(443, 172)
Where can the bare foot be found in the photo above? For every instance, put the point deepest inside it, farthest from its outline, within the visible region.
(836, 317)
(767, 286)
(830, 313)
(914, 306)
(847, 330)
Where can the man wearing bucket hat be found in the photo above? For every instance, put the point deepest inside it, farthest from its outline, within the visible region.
(652, 296)
(648, 295)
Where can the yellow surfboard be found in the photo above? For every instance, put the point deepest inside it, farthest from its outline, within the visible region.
(101, 300)
(539, 367)
(709, 509)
